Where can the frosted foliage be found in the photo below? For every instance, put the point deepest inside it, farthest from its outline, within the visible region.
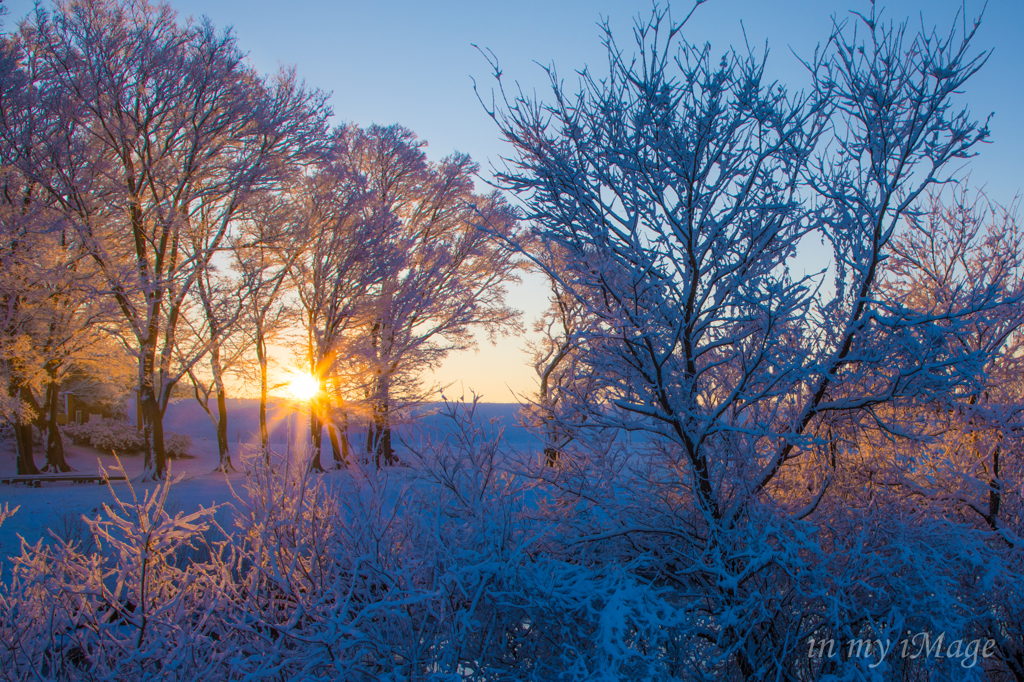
(380, 573)
(126, 608)
(474, 562)
(747, 474)
(781, 457)
(6, 512)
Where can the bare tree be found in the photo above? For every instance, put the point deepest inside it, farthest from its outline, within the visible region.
(53, 323)
(680, 187)
(450, 274)
(19, 228)
(560, 362)
(19, 361)
(339, 254)
(264, 263)
(675, 196)
(215, 327)
(166, 120)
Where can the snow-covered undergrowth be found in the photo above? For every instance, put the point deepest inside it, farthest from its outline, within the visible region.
(122, 437)
(475, 562)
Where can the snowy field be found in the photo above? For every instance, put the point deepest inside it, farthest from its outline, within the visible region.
(58, 507)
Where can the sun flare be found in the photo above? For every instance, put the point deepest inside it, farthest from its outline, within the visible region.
(303, 387)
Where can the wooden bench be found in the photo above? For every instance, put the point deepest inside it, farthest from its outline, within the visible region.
(37, 480)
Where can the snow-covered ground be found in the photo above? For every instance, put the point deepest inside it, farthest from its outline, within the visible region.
(58, 507)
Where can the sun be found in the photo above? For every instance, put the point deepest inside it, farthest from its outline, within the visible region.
(303, 387)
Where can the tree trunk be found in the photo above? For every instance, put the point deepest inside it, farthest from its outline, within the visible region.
(346, 448)
(338, 427)
(55, 461)
(261, 356)
(371, 441)
(23, 438)
(315, 436)
(222, 433)
(339, 458)
(222, 411)
(155, 466)
(379, 436)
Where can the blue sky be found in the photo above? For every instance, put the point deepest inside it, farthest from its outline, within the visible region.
(414, 63)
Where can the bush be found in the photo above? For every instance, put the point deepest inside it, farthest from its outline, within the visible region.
(123, 438)
(475, 562)
(120, 437)
(177, 445)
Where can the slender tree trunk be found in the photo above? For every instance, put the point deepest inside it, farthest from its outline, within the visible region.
(346, 448)
(55, 461)
(316, 429)
(332, 433)
(261, 356)
(222, 411)
(222, 433)
(155, 456)
(378, 437)
(338, 427)
(315, 425)
(385, 450)
(552, 445)
(371, 441)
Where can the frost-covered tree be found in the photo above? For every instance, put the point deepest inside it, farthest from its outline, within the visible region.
(215, 321)
(19, 228)
(20, 363)
(53, 324)
(146, 132)
(337, 253)
(449, 272)
(264, 263)
(564, 378)
(677, 191)
(681, 188)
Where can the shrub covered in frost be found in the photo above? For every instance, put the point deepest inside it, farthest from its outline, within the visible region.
(477, 563)
(122, 438)
(177, 445)
(107, 435)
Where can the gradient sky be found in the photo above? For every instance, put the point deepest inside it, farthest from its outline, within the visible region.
(414, 63)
